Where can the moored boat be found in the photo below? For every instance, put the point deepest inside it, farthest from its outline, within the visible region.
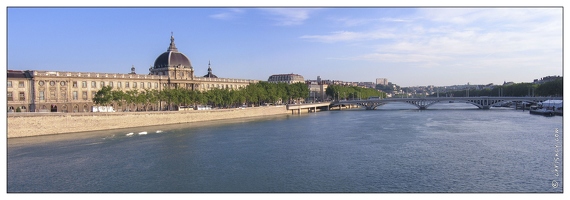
(547, 108)
(541, 111)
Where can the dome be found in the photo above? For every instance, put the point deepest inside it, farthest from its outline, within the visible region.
(210, 74)
(172, 58)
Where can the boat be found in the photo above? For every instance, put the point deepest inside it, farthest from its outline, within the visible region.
(547, 108)
(541, 111)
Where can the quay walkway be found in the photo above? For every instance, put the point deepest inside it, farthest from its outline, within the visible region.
(310, 107)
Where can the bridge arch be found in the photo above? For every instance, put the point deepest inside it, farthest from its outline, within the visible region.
(370, 105)
(484, 103)
(422, 104)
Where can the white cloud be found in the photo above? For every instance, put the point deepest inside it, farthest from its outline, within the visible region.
(366, 21)
(473, 38)
(339, 36)
(230, 14)
(290, 16)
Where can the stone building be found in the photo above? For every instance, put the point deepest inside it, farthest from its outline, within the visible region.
(286, 78)
(56, 91)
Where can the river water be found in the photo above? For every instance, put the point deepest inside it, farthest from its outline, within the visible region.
(394, 149)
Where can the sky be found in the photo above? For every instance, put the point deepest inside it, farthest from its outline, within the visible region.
(410, 46)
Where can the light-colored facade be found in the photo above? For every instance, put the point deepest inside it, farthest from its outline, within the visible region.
(381, 81)
(317, 92)
(56, 91)
(286, 78)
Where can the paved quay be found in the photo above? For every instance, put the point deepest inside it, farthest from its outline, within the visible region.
(36, 124)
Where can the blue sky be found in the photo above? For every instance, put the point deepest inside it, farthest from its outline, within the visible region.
(408, 46)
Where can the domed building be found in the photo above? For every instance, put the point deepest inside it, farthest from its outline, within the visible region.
(173, 64)
(59, 91)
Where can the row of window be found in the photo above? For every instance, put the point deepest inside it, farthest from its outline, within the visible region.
(53, 108)
(285, 78)
(75, 84)
(74, 95)
(11, 108)
(208, 86)
(42, 95)
(119, 84)
(22, 96)
(20, 84)
(128, 84)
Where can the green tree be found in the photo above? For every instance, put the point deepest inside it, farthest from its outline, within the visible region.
(118, 97)
(551, 88)
(103, 96)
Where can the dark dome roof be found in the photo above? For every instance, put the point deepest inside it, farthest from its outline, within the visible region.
(210, 74)
(172, 57)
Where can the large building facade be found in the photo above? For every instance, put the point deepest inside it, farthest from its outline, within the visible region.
(381, 81)
(286, 78)
(55, 91)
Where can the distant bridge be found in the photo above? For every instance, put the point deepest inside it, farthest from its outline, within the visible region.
(424, 103)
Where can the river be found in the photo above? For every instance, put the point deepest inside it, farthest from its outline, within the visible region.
(395, 149)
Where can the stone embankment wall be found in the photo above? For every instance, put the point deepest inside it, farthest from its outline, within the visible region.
(35, 124)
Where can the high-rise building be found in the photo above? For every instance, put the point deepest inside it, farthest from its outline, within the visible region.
(381, 81)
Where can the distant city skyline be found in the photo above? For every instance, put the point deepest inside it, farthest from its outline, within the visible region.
(408, 46)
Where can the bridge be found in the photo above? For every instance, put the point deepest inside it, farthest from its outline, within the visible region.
(423, 103)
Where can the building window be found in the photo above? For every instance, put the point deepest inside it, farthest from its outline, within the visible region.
(102, 83)
(41, 83)
(134, 84)
(84, 84)
(74, 95)
(93, 84)
(61, 83)
(75, 84)
(111, 83)
(156, 85)
(52, 94)
(142, 85)
(22, 96)
(127, 84)
(42, 97)
(149, 85)
(21, 84)
(9, 84)
(63, 95)
(10, 97)
(93, 94)
(84, 95)
(119, 85)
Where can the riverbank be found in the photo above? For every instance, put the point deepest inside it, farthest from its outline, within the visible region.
(36, 124)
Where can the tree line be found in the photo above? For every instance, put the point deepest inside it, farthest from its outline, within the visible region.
(551, 88)
(252, 95)
(339, 92)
